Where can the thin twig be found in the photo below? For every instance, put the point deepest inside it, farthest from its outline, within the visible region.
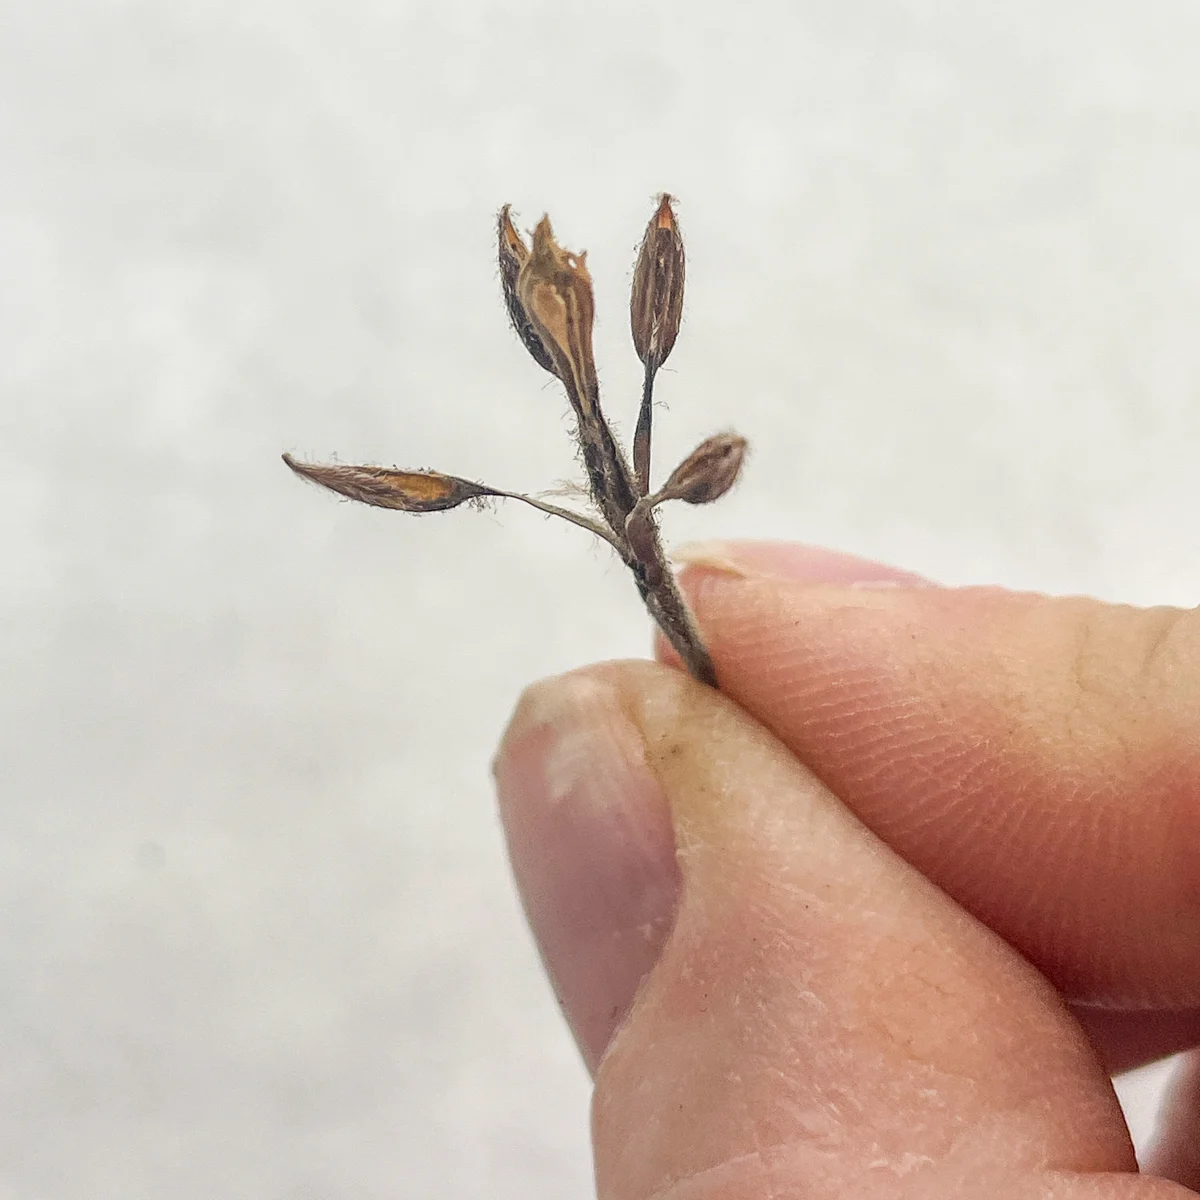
(641, 435)
(566, 514)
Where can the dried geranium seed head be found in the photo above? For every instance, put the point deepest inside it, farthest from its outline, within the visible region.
(708, 472)
(555, 290)
(548, 294)
(512, 253)
(656, 303)
(408, 491)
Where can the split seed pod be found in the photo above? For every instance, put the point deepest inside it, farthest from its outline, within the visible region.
(555, 291)
(512, 254)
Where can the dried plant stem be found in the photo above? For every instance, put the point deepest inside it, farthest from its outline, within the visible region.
(641, 435)
(566, 514)
(666, 605)
(614, 490)
(609, 477)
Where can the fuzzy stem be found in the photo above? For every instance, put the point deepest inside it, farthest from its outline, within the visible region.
(566, 514)
(666, 605)
(641, 435)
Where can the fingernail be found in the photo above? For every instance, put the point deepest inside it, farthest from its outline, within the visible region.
(591, 845)
(794, 561)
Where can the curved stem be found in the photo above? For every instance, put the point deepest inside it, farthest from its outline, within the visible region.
(641, 435)
(575, 518)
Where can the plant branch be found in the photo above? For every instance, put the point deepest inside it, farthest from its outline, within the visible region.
(550, 302)
(641, 435)
(567, 515)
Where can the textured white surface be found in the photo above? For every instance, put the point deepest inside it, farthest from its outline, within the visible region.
(258, 934)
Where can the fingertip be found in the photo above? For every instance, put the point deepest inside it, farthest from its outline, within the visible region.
(796, 562)
(710, 573)
(1037, 756)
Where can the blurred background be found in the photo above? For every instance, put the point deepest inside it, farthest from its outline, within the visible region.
(259, 938)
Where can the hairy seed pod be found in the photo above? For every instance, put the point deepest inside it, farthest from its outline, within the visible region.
(656, 303)
(708, 472)
(408, 491)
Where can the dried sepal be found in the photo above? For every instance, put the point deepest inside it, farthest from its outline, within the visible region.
(656, 301)
(555, 290)
(708, 472)
(512, 253)
(381, 487)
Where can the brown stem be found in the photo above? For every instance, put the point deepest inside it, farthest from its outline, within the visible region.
(641, 435)
(567, 515)
(661, 595)
(667, 606)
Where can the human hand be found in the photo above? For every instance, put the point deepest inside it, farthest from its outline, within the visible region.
(900, 788)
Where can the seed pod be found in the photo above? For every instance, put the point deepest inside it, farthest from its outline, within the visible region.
(656, 303)
(409, 491)
(555, 290)
(512, 254)
(708, 472)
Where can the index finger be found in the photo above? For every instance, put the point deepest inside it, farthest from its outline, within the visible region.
(1036, 757)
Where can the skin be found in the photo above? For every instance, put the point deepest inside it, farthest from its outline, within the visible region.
(882, 916)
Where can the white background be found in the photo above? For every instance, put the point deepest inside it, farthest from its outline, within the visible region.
(257, 935)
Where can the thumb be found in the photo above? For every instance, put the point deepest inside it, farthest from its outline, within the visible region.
(821, 1018)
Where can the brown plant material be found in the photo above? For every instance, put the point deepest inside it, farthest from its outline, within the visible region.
(656, 304)
(555, 290)
(512, 254)
(655, 313)
(409, 491)
(708, 472)
(548, 294)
